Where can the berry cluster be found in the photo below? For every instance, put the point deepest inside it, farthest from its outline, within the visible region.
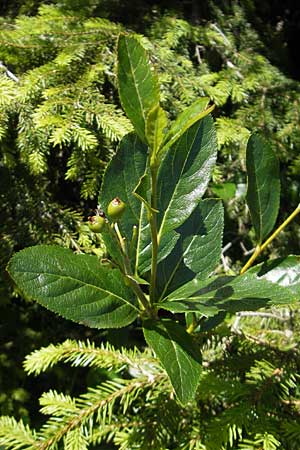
(115, 210)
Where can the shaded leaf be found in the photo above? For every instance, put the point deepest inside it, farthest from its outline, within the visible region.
(144, 252)
(197, 251)
(276, 282)
(182, 180)
(177, 353)
(184, 174)
(112, 245)
(263, 186)
(212, 322)
(191, 305)
(126, 175)
(76, 287)
(201, 323)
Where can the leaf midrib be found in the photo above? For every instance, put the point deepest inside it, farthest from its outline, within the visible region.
(182, 257)
(175, 188)
(83, 284)
(135, 83)
(259, 201)
(171, 340)
(235, 297)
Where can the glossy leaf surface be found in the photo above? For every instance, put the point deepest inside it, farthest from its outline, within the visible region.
(144, 250)
(138, 87)
(197, 251)
(274, 283)
(155, 125)
(263, 186)
(182, 180)
(185, 120)
(76, 287)
(184, 174)
(177, 353)
(142, 192)
(282, 271)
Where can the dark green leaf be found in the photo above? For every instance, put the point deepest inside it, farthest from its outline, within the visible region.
(197, 251)
(263, 186)
(166, 245)
(274, 283)
(77, 287)
(138, 87)
(112, 245)
(201, 323)
(184, 174)
(178, 355)
(182, 180)
(191, 305)
(212, 322)
(120, 179)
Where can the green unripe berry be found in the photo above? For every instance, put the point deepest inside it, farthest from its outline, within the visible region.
(116, 208)
(96, 223)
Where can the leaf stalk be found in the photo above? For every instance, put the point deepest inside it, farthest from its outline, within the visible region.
(127, 270)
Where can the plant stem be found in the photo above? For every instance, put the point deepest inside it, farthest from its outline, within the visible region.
(260, 248)
(281, 227)
(140, 295)
(191, 328)
(252, 258)
(126, 270)
(154, 238)
(133, 240)
(121, 240)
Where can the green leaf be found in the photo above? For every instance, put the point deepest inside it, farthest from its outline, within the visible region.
(144, 250)
(125, 176)
(185, 120)
(184, 174)
(276, 282)
(178, 355)
(282, 271)
(197, 251)
(212, 322)
(155, 125)
(182, 180)
(112, 246)
(201, 323)
(142, 192)
(226, 191)
(121, 177)
(263, 186)
(195, 306)
(77, 287)
(138, 86)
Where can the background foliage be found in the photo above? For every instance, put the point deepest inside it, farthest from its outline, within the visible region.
(60, 122)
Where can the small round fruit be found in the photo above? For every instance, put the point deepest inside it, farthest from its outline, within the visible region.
(96, 223)
(116, 208)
